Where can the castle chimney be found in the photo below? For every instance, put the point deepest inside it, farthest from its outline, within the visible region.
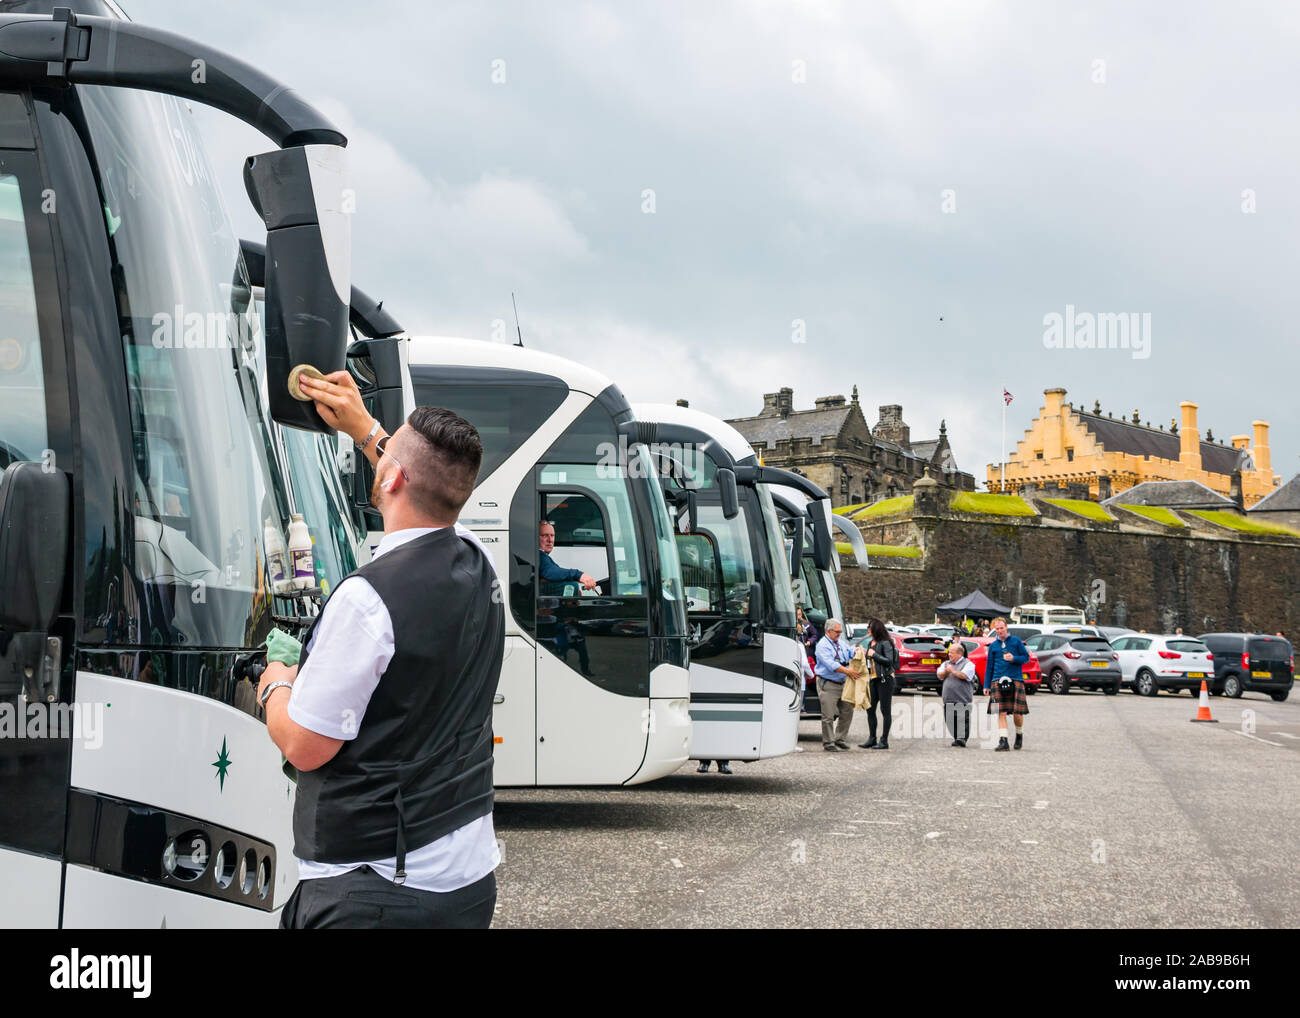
(778, 404)
(1054, 424)
(891, 426)
(1263, 462)
(1240, 441)
(1189, 438)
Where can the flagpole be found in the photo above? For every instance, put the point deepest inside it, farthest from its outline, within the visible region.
(1003, 464)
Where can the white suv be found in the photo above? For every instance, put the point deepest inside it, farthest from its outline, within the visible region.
(1150, 663)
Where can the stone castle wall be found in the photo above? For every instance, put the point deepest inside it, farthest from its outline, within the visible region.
(1202, 578)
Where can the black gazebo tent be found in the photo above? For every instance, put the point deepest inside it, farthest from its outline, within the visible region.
(973, 605)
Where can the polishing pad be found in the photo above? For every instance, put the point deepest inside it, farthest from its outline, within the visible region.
(294, 389)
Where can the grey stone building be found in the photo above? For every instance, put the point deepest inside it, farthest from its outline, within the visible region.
(833, 446)
(1282, 506)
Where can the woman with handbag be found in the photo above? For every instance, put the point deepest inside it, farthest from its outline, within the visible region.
(882, 656)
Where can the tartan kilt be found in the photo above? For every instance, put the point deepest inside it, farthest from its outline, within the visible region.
(1013, 703)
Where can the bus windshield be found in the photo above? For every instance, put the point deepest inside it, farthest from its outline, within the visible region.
(672, 598)
(202, 482)
(782, 593)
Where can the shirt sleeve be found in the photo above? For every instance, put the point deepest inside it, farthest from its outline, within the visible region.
(552, 572)
(352, 645)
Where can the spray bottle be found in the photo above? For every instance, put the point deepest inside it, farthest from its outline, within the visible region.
(275, 560)
(300, 553)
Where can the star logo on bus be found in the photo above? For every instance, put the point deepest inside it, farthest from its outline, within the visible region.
(222, 764)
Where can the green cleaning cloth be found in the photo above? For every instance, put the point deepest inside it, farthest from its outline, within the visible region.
(282, 647)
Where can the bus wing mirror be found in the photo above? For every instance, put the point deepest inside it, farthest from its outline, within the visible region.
(33, 546)
(686, 502)
(756, 613)
(726, 481)
(382, 373)
(796, 546)
(301, 194)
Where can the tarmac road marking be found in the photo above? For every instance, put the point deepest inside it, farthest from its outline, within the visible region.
(1285, 735)
(890, 823)
(1040, 804)
(1024, 842)
(1247, 735)
(978, 781)
(677, 863)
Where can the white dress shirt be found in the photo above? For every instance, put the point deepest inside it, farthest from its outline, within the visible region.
(350, 648)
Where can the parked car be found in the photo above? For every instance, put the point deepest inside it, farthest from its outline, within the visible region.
(1150, 663)
(1070, 659)
(1112, 633)
(977, 649)
(1025, 630)
(943, 632)
(919, 657)
(1251, 661)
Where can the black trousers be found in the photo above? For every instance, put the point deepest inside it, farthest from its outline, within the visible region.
(957, 716)
(882, 695)
(362, 899)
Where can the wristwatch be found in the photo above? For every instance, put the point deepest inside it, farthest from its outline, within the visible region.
(374, 430)
(266, 693)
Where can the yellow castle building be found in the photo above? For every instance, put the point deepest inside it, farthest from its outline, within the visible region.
(1089, 454)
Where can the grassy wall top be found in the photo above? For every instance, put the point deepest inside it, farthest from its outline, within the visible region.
(1247, 526)
(885, 507)
(1155, 513)
(1082, 507)
(990, 504)
(884, 550)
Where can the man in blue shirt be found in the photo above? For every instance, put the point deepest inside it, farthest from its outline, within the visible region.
(833, 656)
(552, 573)
(1007, 656)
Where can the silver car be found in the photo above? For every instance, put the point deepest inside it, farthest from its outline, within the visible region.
(1076, 659)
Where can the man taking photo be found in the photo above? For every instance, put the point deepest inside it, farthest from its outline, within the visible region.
(388, 714)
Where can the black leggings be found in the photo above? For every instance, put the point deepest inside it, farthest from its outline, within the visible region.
(882, 692)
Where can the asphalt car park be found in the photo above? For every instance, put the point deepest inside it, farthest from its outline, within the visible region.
(1119, 812)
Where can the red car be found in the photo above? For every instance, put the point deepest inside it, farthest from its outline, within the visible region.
(919, 657)
(977, 649)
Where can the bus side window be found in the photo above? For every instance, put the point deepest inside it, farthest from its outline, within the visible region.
(701, 574)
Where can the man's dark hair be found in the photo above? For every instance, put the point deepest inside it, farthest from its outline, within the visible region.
(442, 461)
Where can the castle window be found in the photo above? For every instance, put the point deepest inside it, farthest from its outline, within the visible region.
(1038, 454)
(1069, 455)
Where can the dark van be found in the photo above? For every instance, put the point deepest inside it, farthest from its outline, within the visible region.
(1251, 661)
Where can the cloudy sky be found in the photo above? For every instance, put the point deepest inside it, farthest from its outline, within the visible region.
(920, 183)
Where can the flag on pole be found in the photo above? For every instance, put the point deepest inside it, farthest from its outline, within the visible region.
(1006, 398)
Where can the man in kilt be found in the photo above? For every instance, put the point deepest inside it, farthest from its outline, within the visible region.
(1004, 681)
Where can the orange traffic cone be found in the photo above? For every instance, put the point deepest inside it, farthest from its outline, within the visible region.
(1203, 711)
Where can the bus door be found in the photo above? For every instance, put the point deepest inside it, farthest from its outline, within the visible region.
(592, 644)
(727, 657)
(35, 428)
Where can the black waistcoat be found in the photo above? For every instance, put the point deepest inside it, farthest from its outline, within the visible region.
(421, 763)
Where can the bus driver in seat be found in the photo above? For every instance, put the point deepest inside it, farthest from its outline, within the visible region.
(552, 573)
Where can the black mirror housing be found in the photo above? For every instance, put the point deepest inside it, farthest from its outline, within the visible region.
(299, 193)
(756, 610)
(34, 514)
(796, 546)
(725, 478)
(379, 369)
